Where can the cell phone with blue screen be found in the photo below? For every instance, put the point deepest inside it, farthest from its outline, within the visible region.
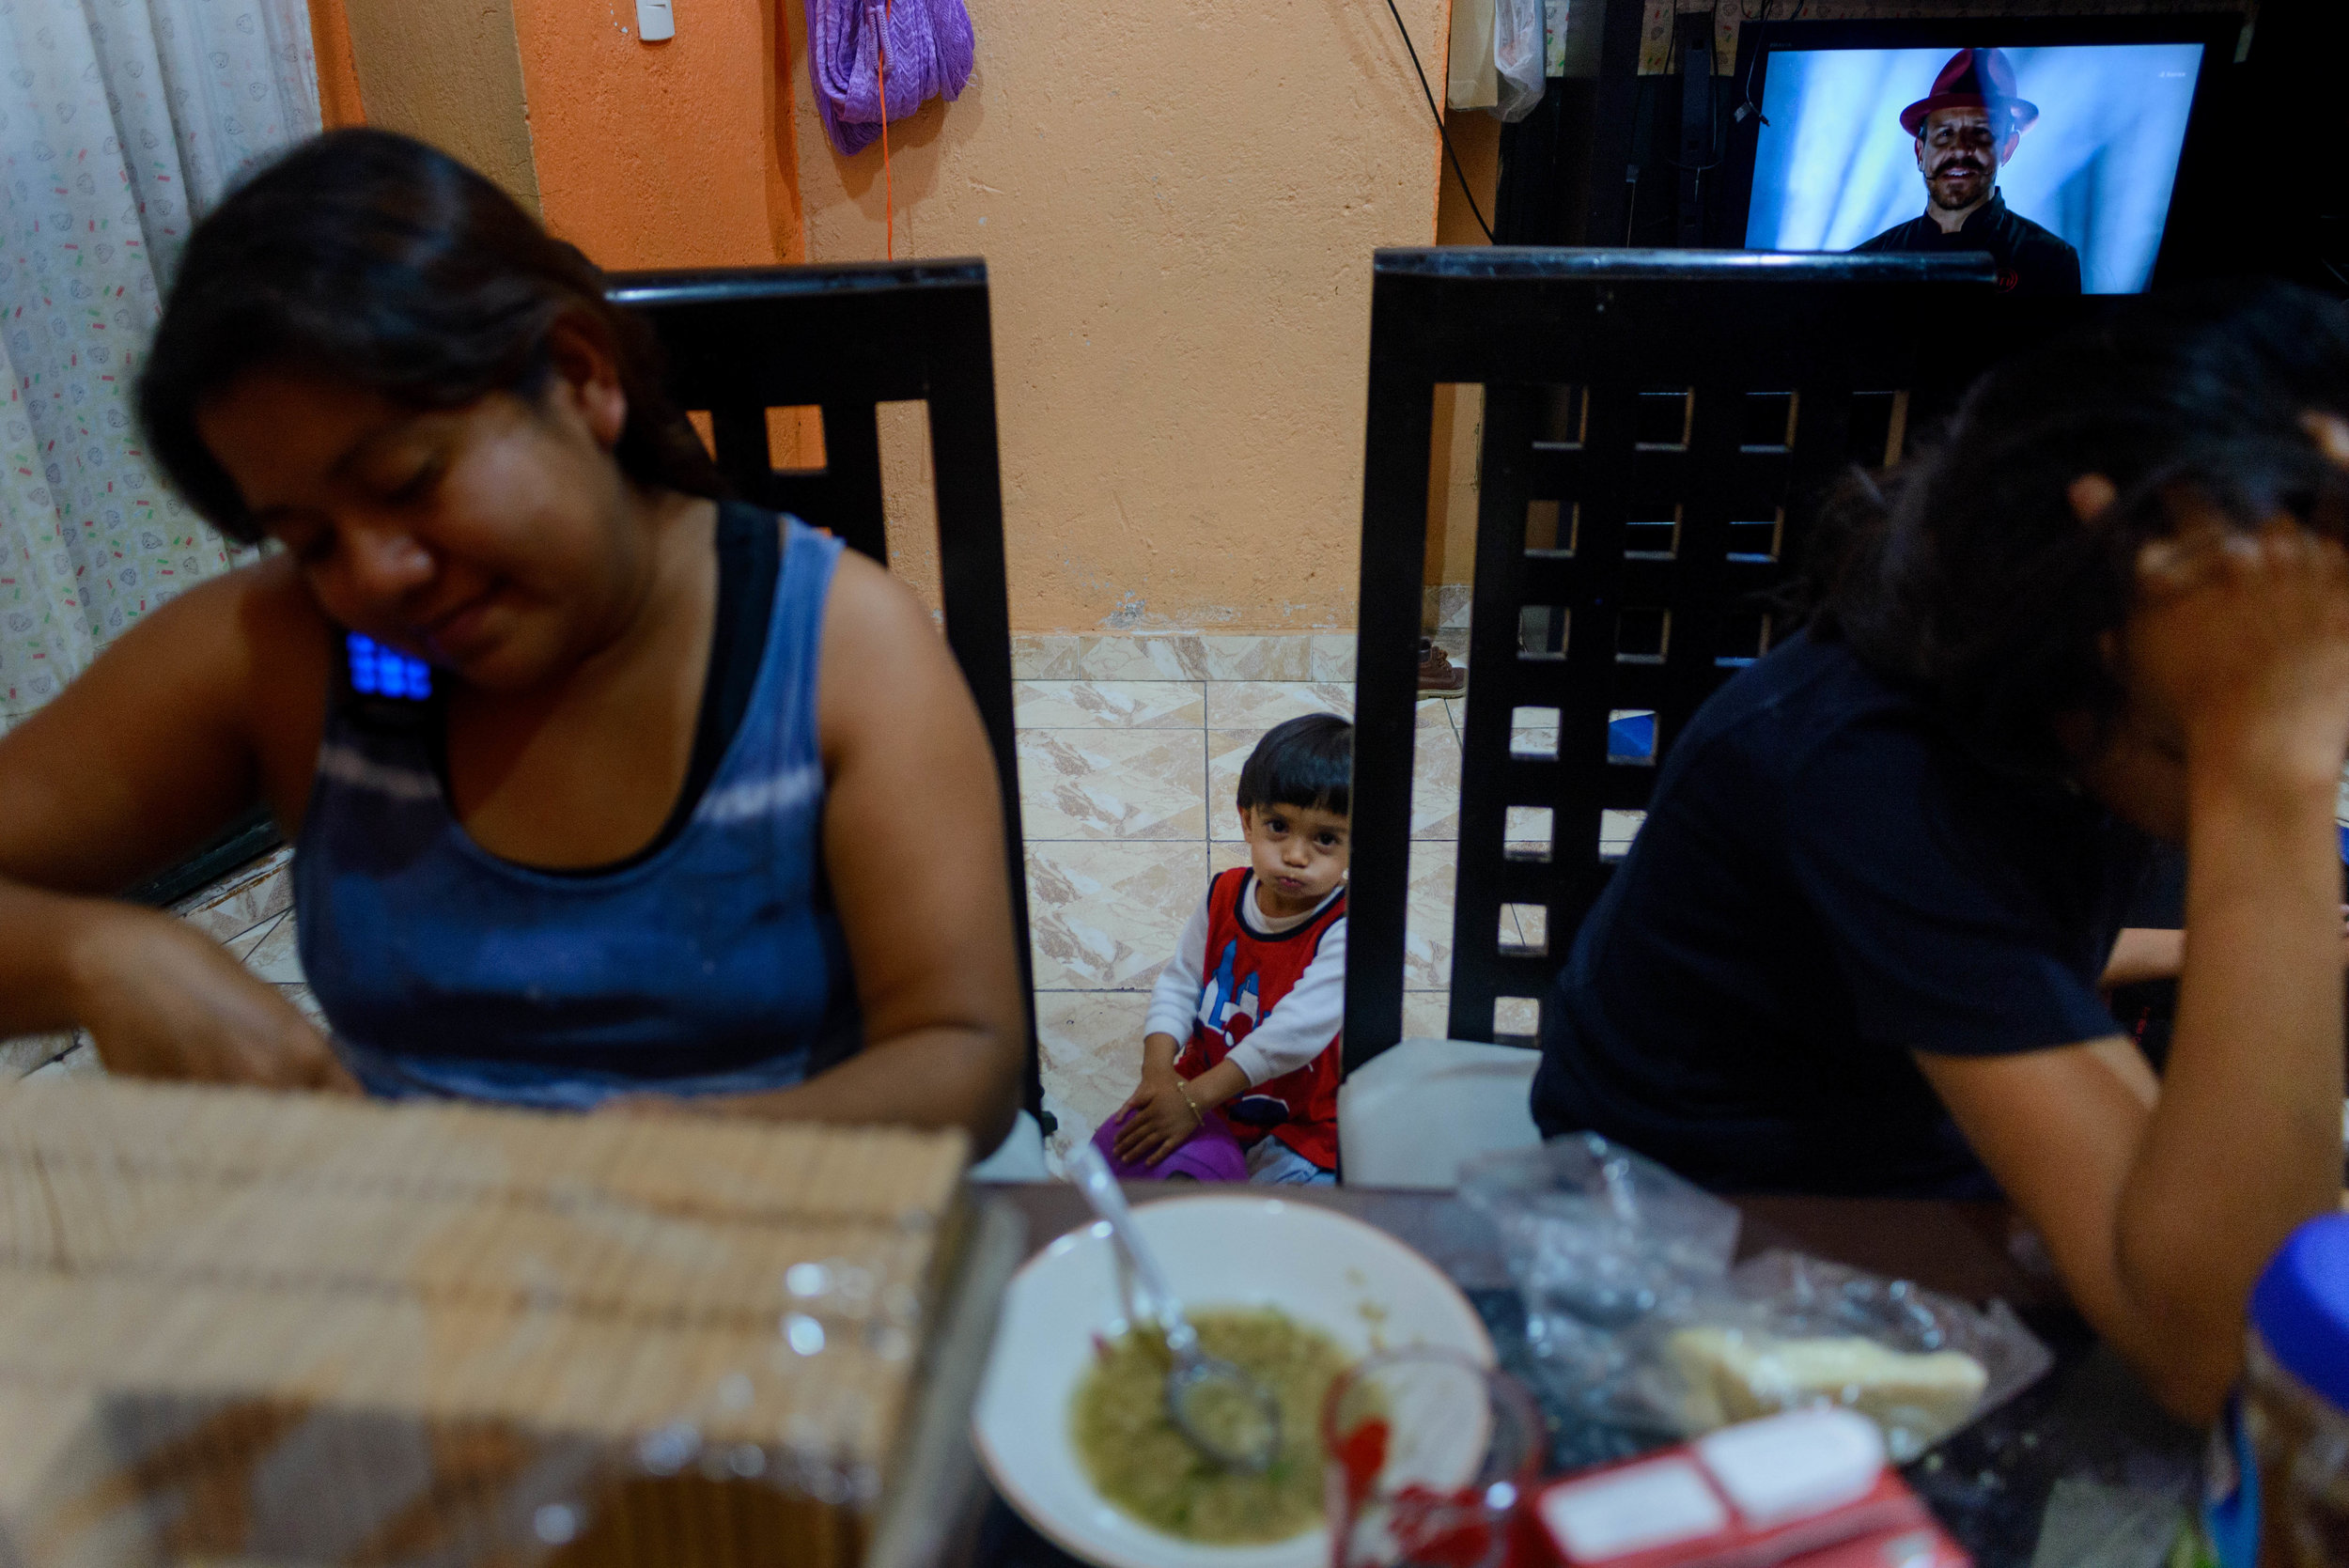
(382, 686)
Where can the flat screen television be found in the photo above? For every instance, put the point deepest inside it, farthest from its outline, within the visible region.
(1881, 135)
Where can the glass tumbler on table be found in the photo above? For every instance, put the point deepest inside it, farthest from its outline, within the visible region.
(1432, 1460)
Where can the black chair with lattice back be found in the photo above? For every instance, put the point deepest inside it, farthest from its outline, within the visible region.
(844, 339)
(1658, 427)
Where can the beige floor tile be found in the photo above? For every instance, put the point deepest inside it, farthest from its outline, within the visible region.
(1225, 853)
(1428, 920)
(1533, 732)
(230, 907)
(1113, 784)
(1041, 656)
(240, 947)
(1520, 1016)
(1236, 656)
(1426, 1015)
(1428, 923)
(306, 1003)
(1333, 657)
(83, 1058)
(1241, 703)
(1435, 785)
(1163, 656)
(1616, 830)
(1110, 705)
(1527, 927)
(1529, 827)
(1427, 912)
(1439, 713)
(1535, 744)
(1104, 916)
(1093, 656)
(1227, 753)
(277, 958)
(1259, 705)
(1092, 1058)
(28, 1053)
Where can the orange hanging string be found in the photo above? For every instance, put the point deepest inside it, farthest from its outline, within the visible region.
(889, 183)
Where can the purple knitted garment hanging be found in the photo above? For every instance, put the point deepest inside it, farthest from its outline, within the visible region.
(930, 50)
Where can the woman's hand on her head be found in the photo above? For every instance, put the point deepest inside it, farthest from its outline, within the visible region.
(163, 1001)
(2242, 638)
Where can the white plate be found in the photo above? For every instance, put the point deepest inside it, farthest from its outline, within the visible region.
(1352, 1282)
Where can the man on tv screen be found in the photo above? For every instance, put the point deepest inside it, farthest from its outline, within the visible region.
(1965, 127)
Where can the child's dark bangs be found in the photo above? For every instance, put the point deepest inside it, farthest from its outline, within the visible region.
(1306, 763)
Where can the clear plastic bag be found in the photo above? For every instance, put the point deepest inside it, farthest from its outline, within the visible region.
(1635, 1319)
(1519, 56)
(1598, 1240)
(1791, 1330)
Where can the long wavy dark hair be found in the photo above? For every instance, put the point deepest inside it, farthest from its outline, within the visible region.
(379, 261)
(1965, 572)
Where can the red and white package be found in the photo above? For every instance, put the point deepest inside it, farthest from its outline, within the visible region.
(1807, 1489)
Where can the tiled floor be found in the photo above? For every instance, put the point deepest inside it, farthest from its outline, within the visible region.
(1129, 755)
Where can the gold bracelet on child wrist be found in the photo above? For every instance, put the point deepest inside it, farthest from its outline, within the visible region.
(1196, 1114)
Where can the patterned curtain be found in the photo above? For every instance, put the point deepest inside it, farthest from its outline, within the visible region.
(121, 120)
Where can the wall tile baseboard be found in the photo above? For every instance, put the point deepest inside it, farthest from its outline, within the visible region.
(1197, 656)
(1182, 655)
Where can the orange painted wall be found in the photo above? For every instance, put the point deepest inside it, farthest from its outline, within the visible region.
(338, 69)
(1451, 479)
(1177, 201)
(667, 154)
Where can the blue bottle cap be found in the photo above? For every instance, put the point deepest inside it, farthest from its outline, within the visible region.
(2301, 1307)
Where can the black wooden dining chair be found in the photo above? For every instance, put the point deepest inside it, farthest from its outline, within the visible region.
(1659, 427)
(844, 339)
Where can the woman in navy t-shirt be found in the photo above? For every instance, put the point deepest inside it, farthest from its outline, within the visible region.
(1857, 947)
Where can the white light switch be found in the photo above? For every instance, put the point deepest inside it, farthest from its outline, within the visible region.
(654, 21)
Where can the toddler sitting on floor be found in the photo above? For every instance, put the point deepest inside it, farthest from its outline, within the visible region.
(1240, 1056)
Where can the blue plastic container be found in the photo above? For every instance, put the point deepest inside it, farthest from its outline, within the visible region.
(2280, 1470)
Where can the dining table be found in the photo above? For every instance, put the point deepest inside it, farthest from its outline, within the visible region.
(2082, 1469)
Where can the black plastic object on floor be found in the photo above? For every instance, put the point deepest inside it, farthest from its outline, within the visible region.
(247, 840)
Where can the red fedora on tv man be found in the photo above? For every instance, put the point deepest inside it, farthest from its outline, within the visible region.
(1965, 127)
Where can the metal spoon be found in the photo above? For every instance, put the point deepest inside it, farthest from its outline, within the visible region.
(1226, 1414)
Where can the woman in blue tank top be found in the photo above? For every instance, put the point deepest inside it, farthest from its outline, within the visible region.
(699, 805)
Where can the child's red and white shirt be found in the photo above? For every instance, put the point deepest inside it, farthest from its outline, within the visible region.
(1270, 994)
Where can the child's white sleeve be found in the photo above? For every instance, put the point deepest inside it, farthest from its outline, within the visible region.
(1174, 999)
(1302, 1023)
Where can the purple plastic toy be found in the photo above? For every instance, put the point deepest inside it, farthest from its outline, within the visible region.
(1213, 1155)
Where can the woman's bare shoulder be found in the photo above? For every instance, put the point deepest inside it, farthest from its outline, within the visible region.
(874, 624)
(256, 634)
(870, 601)
(885, 660)
(245, 653)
